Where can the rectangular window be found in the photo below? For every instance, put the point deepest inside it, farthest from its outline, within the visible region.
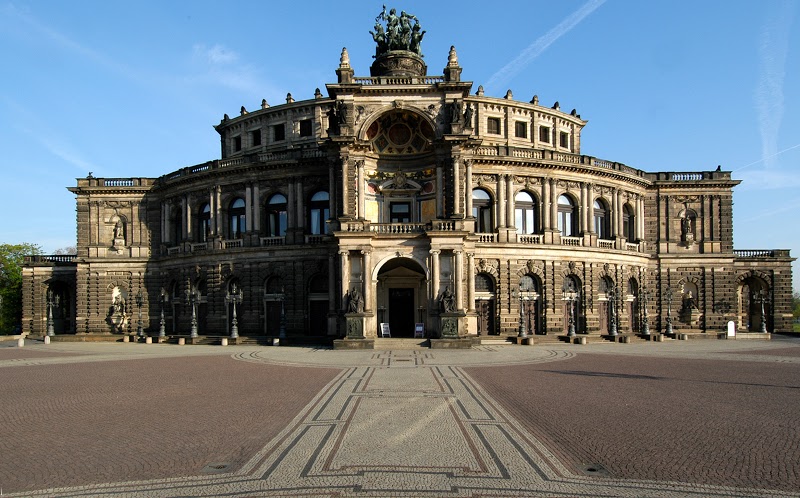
(493, 126)
(564, 139)
(237, 144)
(306, 128)
(255, 138)
(521, 129)
(544, 134)
(400, 212)
(279, 132)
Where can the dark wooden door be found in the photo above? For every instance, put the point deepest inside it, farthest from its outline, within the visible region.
(401, 312)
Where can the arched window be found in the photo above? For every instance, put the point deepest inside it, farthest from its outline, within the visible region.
(566, 216)
(176, 225)
(628, 223)
(276, 216)
(482, 211)
(318, 213)
(525, 211)
(601, 220)
(236, 215)
(204, 223)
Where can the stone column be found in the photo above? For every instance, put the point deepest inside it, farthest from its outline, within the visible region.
(589, 208)
(256, 209)
(583, 210)
(614, 211)
(218, 207)
(639, 218)
(471, 282)
(332, 190)
(468, 189)
(212, 216)
(510, 222)
(300, 205)
(184, 215)
(553, 204)
(546, 203)
(361, 189)
(344, 257)
(345, 187)
(248, 209)
(439, 191)
(331, 282)
(189, 225)
(291, 205)
(458, 274)
(164, 223)
(434, 277)
(456, 189)
(501, 201)
(366, 279)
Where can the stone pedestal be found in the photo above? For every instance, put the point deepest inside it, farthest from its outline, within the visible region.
(148, 340)
(354, 325)
(450, 325)
(224, 341)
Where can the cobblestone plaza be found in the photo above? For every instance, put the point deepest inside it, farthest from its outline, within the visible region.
(678, 418)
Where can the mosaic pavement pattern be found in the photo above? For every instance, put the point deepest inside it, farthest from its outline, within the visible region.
(401, 423)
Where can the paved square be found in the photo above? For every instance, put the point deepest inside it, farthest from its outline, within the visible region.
(706, 418)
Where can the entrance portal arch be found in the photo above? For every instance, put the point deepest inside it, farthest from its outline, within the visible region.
(401, 295)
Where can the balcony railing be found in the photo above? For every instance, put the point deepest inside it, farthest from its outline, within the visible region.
(605, 244)
(529, 239)
(174, 250)
(396, 228)
(487, 237)
(761, 253)
(572, 241)
(229, 244)
(632, 246)
(316, 239)
(198, 246)
(50, 258)
(272, 241)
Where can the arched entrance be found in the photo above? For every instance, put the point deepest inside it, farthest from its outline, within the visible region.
(754, 295)
(530, 290)
(401, 296)
(485, 304)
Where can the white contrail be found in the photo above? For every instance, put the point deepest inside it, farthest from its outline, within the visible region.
(768, 157)
(505, 73)
(772, 48)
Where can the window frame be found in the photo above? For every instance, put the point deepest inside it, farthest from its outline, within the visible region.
(544, 134)
(277, 215)
(520, 126)
(492, 122)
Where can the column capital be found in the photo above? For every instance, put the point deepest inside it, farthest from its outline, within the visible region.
(344, 253)
(366, 252)
(435, 252)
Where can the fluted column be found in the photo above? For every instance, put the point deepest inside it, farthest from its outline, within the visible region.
(458, 275)
(546, 203)
(589, 208)
(344, 259)
(212, 216)
(584, 209)
(510, 222)
(468, 189)
(218, 209)
(439, 192)
(456, 189)
(331, 282)
(471, 282)
(248, 208)
(256, 209)
(501, 201)
(345, 187)
(434, 277)
(553, 204)
(614, 211)
(332, 190)
(366, 278)
(291, 205)
(300, 205)
(361, 190)
(188, 228)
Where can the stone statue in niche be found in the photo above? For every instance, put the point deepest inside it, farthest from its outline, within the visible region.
(448, 301)
(355, 303)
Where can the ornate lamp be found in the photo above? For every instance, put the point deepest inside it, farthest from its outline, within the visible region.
(139, 303)
(234, 297)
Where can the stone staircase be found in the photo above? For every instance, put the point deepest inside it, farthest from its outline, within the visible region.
(386, 343)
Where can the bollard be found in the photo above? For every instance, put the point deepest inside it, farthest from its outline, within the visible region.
(47, 339)
(148, 340)
(125, 338)
(181, 341)
(21, 342)
(581, 340)
(224, 341)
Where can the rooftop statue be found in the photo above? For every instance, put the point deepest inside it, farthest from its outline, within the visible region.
(399, 33)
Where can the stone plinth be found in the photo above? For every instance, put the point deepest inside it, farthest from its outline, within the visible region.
(398, 63)
(450, 325)
(354, 325)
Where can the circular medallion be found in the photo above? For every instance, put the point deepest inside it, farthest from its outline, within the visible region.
(400, 134)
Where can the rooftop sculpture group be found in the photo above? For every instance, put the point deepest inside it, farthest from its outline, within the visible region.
(399, 33)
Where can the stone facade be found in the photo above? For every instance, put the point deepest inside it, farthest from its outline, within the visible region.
(415, 194)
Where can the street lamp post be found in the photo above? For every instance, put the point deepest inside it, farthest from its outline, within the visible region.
(644, 296)
(282, 330)
(234, 297)
(613, 294)
(162, 299)
(191, 299)
(570, 296)
(139, 303)
(52, 301)
(762, 297)
(668, 293)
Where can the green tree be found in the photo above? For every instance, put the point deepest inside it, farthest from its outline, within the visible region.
(796, 305)
(11, 257)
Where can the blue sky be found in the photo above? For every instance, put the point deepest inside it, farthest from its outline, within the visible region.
(133, 88)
